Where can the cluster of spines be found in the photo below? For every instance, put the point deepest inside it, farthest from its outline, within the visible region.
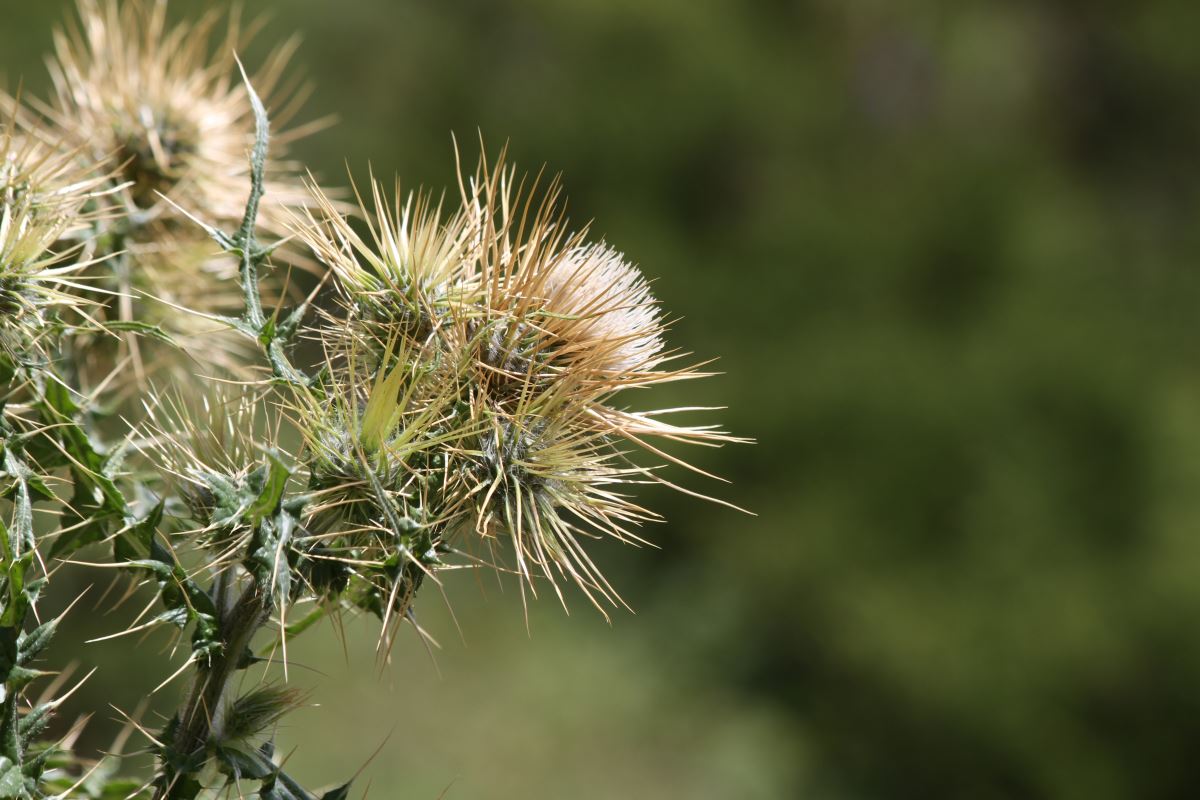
(482, 349)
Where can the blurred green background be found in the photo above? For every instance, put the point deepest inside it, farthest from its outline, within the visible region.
(948, 257)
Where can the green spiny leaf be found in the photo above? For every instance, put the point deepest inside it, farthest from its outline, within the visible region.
(134, 543)
(243, 764)
(10, 741)
(36, 720)
(144, 328)
(12, 781)
(8, 653)
(30, 645)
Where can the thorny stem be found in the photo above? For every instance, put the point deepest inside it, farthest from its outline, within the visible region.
(252, 256)
(245, 238)
(202, 717)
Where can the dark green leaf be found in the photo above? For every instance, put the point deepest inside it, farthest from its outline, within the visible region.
(240, 764)
(12, 781)
(8, 652)
(134, 543)
(84, 519)
(36, 720)
(31, 644)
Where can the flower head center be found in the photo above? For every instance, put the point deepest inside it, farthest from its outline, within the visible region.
(155, 154)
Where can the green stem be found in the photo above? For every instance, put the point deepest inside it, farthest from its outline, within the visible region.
(245, 238)
(202, 718)
(252, 256)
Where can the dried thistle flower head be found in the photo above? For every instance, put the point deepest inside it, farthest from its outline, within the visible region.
(155, 299)
(165, 106)
(43, 194)
(528, 333)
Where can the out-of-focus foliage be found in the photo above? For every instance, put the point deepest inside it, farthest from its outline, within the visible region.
(948, 256)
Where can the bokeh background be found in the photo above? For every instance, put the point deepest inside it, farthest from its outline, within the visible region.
(948, 257)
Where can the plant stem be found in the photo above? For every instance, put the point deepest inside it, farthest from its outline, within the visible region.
(203, 712)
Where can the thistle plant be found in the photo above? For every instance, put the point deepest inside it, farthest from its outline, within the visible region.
(466, 409)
